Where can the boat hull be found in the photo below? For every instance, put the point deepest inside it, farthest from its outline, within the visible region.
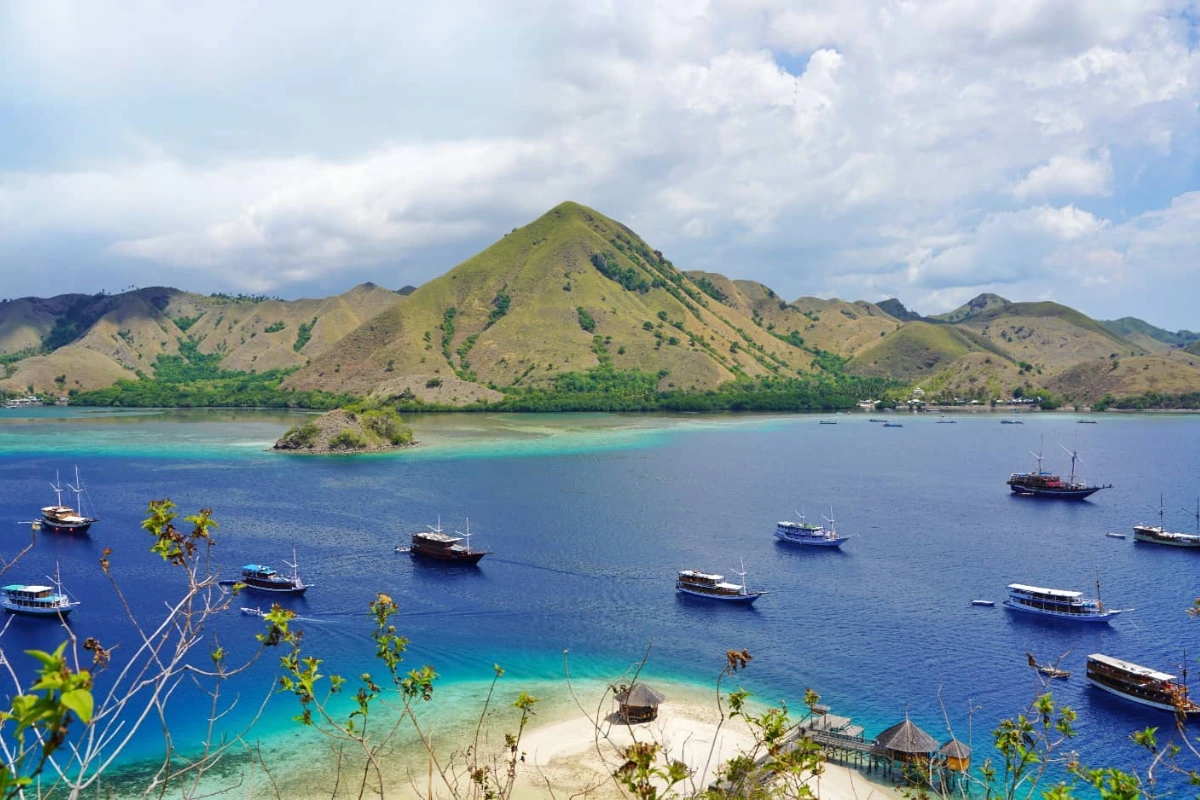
(40, 612)
(742, 599)
(811, 542)
(446, 558)
(251, 587)
(1140, 700)
(1057, 494)
(1086, 618)
(78, 529)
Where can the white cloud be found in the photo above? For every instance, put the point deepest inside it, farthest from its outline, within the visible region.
(925, 149)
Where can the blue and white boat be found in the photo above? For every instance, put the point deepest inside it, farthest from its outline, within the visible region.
(803, 532)
(714, 587)
(37, 600)
(1059, 603)
(261, 578)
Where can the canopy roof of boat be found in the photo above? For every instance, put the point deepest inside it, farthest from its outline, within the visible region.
(1063, 593)
(1131, 668)
(437, 536)
(700, 576)
(20, 587)
(258, 568)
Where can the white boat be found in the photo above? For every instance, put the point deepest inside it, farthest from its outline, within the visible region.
(253, 612)
(1140, 684)
(1115, 535)
(37, 600)
(1059, 603)
(806, 533)
(261, 578)
(1158, 534)
(714, 587)
(984, 603)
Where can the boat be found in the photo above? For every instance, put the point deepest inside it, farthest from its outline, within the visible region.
(1141, 684)
(1049, 670)
(893, 424)
(714, 587)
(828, 422)
(261, 578)
(1086, 421)
(1115, 535)
(1059, 603)
(803, 532)
(254, 612)
(436, 545)
(944, 420)
(984, 603)
(1046, 484)
(37, 600)
(876, 419)
(1012, 422)
(1152, 534)
(64, 519)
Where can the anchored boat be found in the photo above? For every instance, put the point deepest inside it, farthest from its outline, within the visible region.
(1159, 534)
(64, 519)
(803, 532)
(436, 545)
(1046, 484)
(261, 578)
(1141, 684)
(37, 600)
(1059, 603)
(714, 587)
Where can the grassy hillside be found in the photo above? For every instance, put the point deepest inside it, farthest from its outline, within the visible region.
(1088, 382)
(982, 304)
(571, 291)
(917, 351)
(1151, 337)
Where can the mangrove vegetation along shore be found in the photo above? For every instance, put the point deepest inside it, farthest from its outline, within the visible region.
(354, 429)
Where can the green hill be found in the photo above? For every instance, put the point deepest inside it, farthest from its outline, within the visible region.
(916, 350)
(1151, 337)
(569, 292)
(977, 306)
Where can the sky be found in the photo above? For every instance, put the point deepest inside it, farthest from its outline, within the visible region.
(923, 149)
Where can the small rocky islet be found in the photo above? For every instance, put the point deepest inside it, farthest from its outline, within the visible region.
(348, 430)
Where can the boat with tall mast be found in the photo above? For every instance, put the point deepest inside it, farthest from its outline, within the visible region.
(806, 533)
(261, 578)
(1059, 603)
(714, 587)
(1140, 684)
(37, 600)
(1158, 534)
(437, 545)
(59, 518)
(1047, 484)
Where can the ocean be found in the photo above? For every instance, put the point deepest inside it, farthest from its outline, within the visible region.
(590, 516)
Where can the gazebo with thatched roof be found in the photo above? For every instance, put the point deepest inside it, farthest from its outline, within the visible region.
(904, 742)
(638, 703)
(957, 755)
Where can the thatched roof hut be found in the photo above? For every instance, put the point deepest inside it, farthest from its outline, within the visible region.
(905, 742)
(957, 755)
(638, 703)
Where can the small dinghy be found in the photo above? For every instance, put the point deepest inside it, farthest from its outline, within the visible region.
(1049, 670)
(253, 612)
(1115, 535)
(984, 603)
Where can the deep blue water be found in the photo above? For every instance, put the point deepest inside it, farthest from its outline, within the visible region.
(587, 540)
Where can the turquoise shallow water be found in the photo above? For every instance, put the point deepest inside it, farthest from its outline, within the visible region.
(589, 517)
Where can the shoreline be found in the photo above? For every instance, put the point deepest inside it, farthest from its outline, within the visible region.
(571, 746)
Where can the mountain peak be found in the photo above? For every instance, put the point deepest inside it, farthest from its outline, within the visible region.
(974, 307)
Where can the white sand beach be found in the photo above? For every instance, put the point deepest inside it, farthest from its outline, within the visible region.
(570, 748)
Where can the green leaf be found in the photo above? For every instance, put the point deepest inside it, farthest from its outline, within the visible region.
(80, 701)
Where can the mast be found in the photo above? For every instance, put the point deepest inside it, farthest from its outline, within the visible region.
(57, 489)
(830, 520)
(468, 534)
(1162, 527)
(743, 575)
(78, 490)
(1195, 514)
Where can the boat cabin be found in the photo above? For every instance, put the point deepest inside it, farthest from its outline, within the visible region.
(1060, 600)
(19, 592)
(259, 572)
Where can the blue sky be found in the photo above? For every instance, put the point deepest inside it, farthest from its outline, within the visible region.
(1040, 149)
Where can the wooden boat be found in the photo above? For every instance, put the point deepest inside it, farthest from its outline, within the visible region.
(1151, 534)
(36, 600)
(436, 545)
(1059, 603)
(261, 578)
(1140, 684)
(1046, 484)
(1049, 670)
(64, 519)
(713, 587)
(805, 533)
